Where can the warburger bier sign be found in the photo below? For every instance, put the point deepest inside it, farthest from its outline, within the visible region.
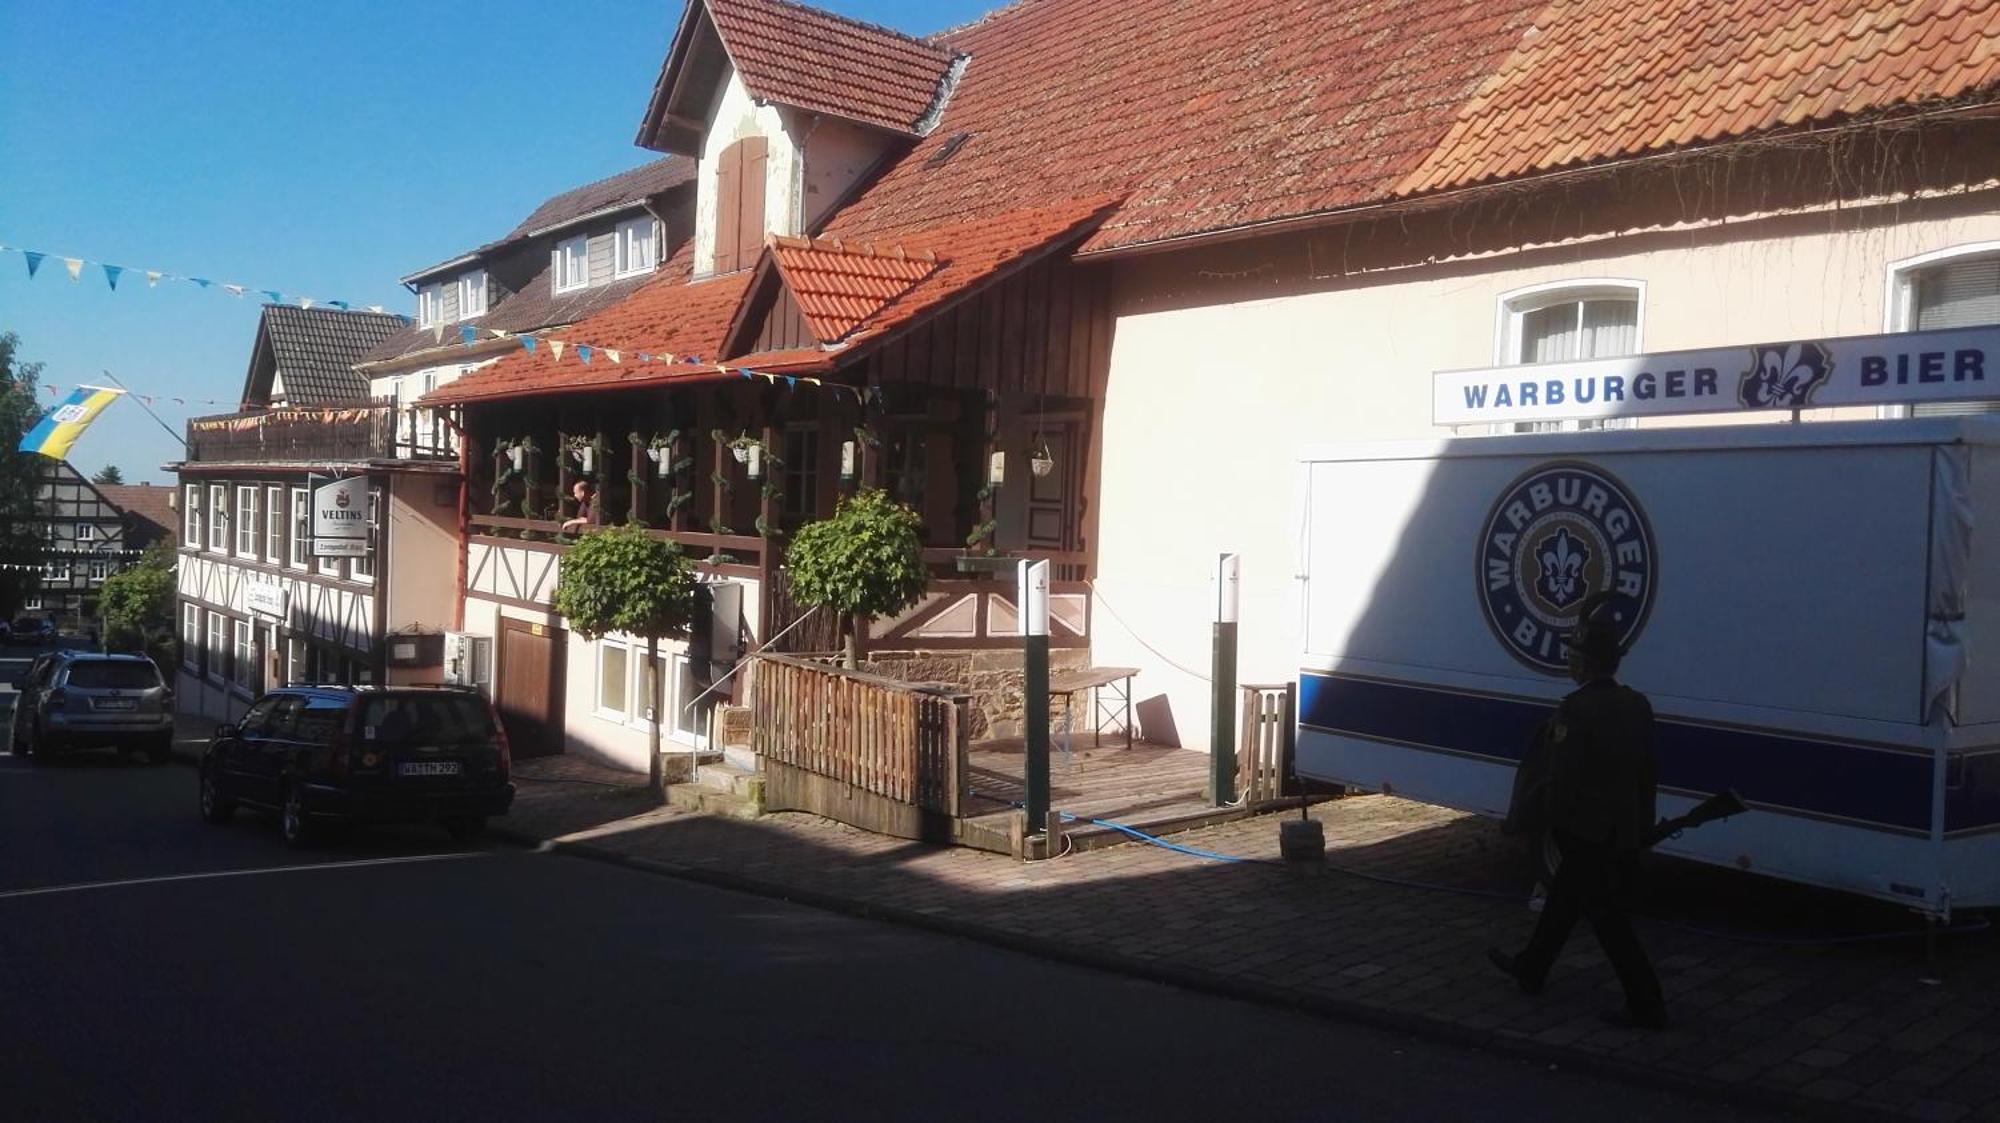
(340, 519)
(1954, 365)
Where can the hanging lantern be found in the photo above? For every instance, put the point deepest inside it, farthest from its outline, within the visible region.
(1041, 461)
(846, 461)
(996, 468)
(514, 453)
(587, 456)
(754, 462)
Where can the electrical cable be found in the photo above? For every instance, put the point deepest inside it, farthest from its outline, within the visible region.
(1133, 632)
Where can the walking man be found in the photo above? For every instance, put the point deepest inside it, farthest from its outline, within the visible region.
(1598, 803)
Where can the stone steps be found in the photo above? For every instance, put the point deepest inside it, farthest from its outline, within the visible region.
(720, 789)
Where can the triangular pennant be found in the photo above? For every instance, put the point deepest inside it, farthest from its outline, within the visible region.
(744, 371)
(378, 308)
(791, 383)
(497, 333)
(340, 304)
(75, 267)
(111, 275)
(556, 348)
(437, 334)
(468, 333)
(234, 289)
(643, 357)
(528, 343)
(306, 302)
(814, 381)
(34, 261)
(583, 352)
(613, 355)
(153, 277)
(276, 296)
(203, 282)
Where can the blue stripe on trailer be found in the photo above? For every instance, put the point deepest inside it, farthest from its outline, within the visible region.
(1840, 779)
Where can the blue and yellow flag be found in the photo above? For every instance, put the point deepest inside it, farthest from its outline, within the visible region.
(61, 426)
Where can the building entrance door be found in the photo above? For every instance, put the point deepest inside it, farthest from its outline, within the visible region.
(528, 686)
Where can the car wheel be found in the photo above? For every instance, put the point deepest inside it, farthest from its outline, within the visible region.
(215, 807)
(464, 828)
(293, 821)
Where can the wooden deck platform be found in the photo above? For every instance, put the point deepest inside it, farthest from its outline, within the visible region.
(1153, 788)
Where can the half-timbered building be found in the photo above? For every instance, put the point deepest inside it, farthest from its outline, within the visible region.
(257, 605)
(81, 540)
(1080, 284)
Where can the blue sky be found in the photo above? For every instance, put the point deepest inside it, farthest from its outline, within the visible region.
(322, 150)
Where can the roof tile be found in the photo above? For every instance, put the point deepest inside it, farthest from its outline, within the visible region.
(815, 60)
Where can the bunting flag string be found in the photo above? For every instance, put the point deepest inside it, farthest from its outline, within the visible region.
(585, 352)
(150, 399)
(112, 273)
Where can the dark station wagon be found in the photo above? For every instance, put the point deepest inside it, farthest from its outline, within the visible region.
(321, 755)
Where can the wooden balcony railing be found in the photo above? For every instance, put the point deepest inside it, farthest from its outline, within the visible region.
(320, 433)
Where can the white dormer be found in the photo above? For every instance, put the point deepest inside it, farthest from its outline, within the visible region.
(745, 189)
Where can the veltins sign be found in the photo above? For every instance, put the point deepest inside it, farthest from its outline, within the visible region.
(340, 509)
(1955, 365)
(1555, 536)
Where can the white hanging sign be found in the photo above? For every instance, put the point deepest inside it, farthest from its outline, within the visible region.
(1951, 365)
(340, 509)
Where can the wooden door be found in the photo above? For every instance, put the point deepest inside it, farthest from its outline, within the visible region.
(1053, 500)
(528, 687)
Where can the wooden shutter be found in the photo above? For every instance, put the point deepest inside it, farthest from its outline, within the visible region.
(728, 208)
(750, 198)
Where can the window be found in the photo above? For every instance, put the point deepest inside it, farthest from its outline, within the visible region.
(191, 530)
(55, 570)
(1567, 322)
(33, 604)
(363, 568)
(690, 717)
(801, 474)
(1957, 288)
(247, 525)
(739, 204)
(218, 517)
(328, 566)
(614, 674)
(218, 646)
(572, 263)
(274, 525)
(637, 249)
(301, 527)
(99, 569)
(298, 661)
(244, 666)
(191, 637)
(430, 305)
(472, 294)
(86, 532)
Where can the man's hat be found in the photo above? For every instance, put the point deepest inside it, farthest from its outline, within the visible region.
(1596, 630)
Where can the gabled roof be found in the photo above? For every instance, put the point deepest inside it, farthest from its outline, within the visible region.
(803, 57)
(838, 286)
(313, 352)
(148, 511)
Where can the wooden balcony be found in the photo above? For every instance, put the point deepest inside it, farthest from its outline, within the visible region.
(319, 434)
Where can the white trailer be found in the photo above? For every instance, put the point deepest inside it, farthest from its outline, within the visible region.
(1814, 611)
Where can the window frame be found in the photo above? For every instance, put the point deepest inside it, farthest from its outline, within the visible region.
(560, 274)
(86, 532)
(1514, 306)
(274, 524)
(243, 656)
(249, 527)
(300, 536)
(356, 570)
(625, 240)
(192, 532)
(218, 518)
(469, 284)
(215, 667)
(624, 715)
(1899, 293)
(191, 649)
(797, 477)
(430, 304)
(100, 568)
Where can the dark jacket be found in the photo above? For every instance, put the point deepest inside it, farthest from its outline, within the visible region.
(1602, 775)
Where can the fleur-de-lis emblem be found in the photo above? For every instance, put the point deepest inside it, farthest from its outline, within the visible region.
(1563, 559)
(1784, 378)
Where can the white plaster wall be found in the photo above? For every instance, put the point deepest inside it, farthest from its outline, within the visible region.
(738, 116)
(837, 154)
(608, 739)
(1208, 406)
(423, 553)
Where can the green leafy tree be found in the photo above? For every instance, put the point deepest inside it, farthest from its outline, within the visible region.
(868, 559)
(625, 580)
(137, 605)
(109, 474)
(20, 548)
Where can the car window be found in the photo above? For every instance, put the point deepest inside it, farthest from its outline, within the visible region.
(113, 674)
(282, 725)
(258, 717)
(425, 718)
(319, 720)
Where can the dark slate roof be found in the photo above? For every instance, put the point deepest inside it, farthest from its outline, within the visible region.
(314, 351)
(627, 188)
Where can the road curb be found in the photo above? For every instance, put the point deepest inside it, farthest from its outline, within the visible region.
(1222, 986)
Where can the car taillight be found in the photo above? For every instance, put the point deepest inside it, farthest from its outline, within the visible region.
(500, 739)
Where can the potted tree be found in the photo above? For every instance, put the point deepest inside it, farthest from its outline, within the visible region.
(867, 559)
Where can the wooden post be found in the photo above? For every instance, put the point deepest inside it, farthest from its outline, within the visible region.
(640, 479)
(562, 473)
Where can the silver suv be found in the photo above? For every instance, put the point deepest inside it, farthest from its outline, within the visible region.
(80, 699)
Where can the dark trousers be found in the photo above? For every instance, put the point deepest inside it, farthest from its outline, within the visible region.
(1594, 881)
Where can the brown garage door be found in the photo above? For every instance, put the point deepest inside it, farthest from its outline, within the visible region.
(529, 687)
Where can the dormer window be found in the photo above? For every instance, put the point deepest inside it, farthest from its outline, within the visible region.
(472, 294)
(572, 263)
(430, 305)
(739, 204)
(638, 246)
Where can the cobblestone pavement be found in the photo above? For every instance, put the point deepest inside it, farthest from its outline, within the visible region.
(1765, 1005)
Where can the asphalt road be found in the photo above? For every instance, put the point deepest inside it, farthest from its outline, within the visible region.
(153, 967)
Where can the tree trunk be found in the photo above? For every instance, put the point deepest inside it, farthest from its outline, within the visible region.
(852, 645)
(653, 706)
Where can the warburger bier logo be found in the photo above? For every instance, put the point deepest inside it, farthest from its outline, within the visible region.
(1555, 536)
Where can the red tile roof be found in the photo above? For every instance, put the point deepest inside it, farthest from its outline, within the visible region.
(818, 61)
(1598, 81)
(838, 286)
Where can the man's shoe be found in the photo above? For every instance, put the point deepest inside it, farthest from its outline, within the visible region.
(1627, 1018)
(1512, 968)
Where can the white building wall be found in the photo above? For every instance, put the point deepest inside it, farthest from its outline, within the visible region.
(738, 116)
(1209, 404)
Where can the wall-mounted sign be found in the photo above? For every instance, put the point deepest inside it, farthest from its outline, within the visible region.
(340, 510)
(340, 547)
(1862, 370)
(266, 598)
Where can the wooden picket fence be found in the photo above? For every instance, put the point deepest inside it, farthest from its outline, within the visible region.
(897, 740)
(1264, 746)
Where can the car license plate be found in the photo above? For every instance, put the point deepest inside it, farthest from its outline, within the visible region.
(430, 768)
(116, 704)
